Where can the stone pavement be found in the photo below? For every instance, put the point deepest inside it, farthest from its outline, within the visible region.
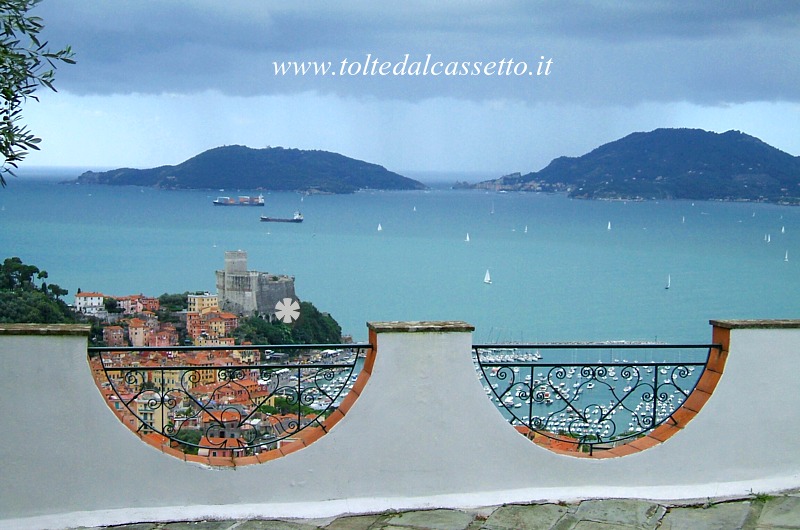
(756, 513)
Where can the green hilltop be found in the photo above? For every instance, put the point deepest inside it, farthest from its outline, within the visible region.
(670, 164)
(271, 168)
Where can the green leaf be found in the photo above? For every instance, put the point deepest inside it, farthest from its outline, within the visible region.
(22, 54)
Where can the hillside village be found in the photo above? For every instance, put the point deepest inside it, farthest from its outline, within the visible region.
(208, 320)
(209, 399)
(134, 321)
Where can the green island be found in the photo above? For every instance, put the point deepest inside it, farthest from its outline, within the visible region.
(688, 164)
(269, 169)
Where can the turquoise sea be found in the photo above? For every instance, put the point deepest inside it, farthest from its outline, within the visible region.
(568, 277)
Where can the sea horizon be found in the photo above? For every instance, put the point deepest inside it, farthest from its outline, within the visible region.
(558, 272)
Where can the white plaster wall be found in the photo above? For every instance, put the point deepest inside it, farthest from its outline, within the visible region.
(422, 434)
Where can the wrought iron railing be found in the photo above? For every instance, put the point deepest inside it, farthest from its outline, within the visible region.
(556, 391)
(203, 404)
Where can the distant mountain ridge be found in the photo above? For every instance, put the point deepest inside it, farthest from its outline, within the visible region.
(670, 164)
(271, 168)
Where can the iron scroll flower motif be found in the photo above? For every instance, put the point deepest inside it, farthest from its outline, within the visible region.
(590, 405)
(235, 409)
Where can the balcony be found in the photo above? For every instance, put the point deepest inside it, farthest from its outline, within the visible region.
(417, 430)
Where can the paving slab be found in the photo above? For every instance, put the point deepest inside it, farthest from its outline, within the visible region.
(514, 517)
(354, 522)
(135, 526)
(274, 525)
(760, 513)
(633, 513)
(431, 519)
(596, 525)
(197, 525)
(723, 516)
(780, 512)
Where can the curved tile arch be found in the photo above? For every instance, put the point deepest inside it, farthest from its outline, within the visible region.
(200, 405)
(599, 409)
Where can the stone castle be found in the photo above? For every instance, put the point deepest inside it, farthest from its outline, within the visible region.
(250, 292)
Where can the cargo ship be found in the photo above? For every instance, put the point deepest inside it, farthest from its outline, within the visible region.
(296, 218)
(241, 200)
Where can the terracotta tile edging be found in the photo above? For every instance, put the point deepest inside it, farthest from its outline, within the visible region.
(694, 402)
(300, 440)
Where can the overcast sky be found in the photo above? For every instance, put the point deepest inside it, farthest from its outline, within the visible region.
(159, 81)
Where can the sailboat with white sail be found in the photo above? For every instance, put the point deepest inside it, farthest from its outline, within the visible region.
(467, 238)
(669, 282)
(487, 278)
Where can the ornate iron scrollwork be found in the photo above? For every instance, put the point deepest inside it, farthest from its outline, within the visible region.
(230, 410)
(590, 405)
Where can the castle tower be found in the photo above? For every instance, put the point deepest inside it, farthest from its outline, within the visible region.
(235, 262)
(250, 292)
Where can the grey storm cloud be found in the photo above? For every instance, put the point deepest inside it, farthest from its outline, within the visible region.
(627, 52)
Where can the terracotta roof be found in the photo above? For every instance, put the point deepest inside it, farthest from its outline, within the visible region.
(222, 443)
(223, 416)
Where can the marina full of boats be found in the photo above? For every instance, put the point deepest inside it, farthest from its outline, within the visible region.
(587, 401)
(320, 392)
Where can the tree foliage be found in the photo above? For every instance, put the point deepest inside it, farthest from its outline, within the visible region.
(174, 302)
(190, 436)
(313, 327)
(171, 305)
(257, 330)
(284, 405)
(26, 63)
(23, 299)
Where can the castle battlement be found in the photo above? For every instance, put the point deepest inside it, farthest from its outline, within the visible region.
(250, 293)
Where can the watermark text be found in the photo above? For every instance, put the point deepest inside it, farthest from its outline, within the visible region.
(409, 66)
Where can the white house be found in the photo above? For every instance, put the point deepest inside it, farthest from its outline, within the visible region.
(89, 303)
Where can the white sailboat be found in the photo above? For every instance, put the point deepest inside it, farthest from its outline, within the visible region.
(669, 281)
(609, 225)
(487, 278)
(786, 256)
(467, 238)
(380, 228)
(526, 229)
